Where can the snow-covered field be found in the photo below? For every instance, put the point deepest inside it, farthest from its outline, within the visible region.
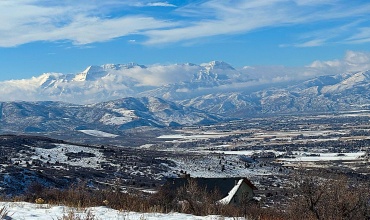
(300, 156)
(29, 211)
(97, 133)
(191, 137)
(303, 157)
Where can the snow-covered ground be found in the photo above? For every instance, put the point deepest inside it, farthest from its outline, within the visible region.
(300, 155)
(97, 133)
(58, 154)
(210, 166)
(29, 211)
(126, 117)
(191, 137)
(303, 157)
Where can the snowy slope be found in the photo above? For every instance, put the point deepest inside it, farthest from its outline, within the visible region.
(155, 110)
(345, 91)
(29, 211)
(105, 119)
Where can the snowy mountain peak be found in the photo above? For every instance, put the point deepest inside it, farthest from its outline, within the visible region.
(92, 69)
(217, 65)
(90, 73)
(47, 79)
(133, 65)
(190, 64)
(360, 77)
(214, 71)
(111, 66)
(122, 66)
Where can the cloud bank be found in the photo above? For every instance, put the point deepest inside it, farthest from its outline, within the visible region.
(353, 61)
(108, 82)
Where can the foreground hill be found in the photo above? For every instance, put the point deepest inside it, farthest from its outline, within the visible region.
(24, 210)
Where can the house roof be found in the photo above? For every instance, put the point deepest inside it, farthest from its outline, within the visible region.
(229, 197)
(222, 185)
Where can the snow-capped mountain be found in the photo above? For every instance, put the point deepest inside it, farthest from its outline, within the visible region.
(234, 104)
(114, 81)
(152, 111)
(346, 91)
(214, 87)
(109, 116)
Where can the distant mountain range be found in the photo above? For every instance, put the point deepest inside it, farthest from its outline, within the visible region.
(113, 116)
(348, 91)
(180, 94)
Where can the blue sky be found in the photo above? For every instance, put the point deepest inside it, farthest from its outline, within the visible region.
(38, 36)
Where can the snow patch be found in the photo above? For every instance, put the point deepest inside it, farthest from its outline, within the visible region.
(58, 154)
(97, 133)
(29, 211)
(326, 157)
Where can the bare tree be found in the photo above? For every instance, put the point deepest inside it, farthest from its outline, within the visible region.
(330, 197)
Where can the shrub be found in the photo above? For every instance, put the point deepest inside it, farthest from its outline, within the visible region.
(333, 197)
(71, 215)
(189, 199)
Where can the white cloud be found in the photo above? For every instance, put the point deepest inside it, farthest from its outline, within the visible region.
(150, 4)
(311, 43)
(218, 17)
(353, 61)
(117, 84)
(333, 35)
(160, 4)
(130, 82)
(361, 36)
(26, 21)
(157, 75)
(315, 2)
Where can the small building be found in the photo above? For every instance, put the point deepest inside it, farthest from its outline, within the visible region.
(236, 190)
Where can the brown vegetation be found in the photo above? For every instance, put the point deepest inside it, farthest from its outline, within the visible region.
(314, 196)
(330, 197)
(188, 199)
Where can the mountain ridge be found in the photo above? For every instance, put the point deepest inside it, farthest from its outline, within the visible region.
(112, 116)
(215, 87)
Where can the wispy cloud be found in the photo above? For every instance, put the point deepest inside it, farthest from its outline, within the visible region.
(217, 17)
(149, 4)
(85, 22)
(27, 21)
(361, 36)
(160, 4)
(325, 36)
